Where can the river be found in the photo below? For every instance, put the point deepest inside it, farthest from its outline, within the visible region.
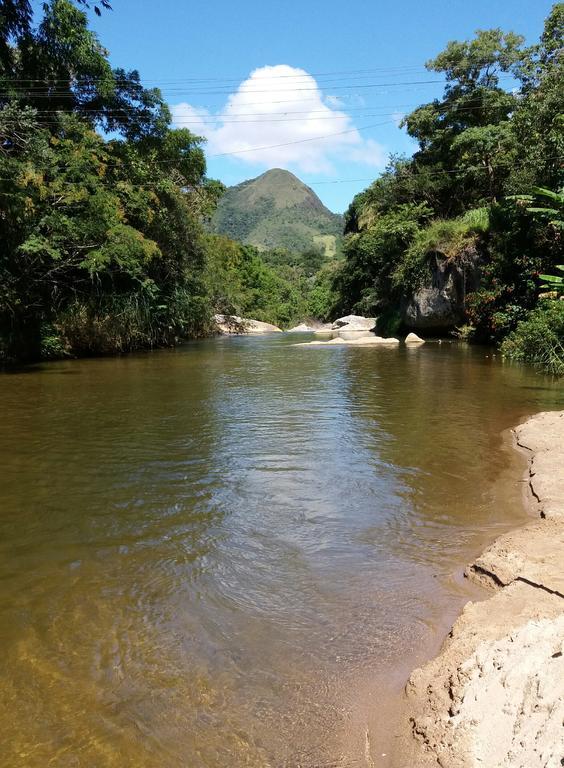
(229, 554)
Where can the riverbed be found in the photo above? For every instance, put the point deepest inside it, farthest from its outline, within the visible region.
(232, 553)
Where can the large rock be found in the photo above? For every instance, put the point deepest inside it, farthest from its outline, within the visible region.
(413, 338)
(354, 323)
(540, 435)
(233, 325)
(352, 335)
(439, 305)
(494, 695)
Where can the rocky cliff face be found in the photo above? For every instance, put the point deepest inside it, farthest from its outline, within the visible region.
(439, 305)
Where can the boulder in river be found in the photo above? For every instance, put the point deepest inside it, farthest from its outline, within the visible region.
(233, 325)
(413, 338)
(352, 335)
(354, 323)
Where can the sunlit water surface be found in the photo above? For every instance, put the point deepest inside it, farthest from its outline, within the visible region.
(209, 555)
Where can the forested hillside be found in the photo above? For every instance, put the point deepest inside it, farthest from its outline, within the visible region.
(459, 234)
(277, 210)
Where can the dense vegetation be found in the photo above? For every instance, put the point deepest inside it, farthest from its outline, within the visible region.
(103, 240)
(110, 240)
(496, 135)
(277, 210)
(275, 286)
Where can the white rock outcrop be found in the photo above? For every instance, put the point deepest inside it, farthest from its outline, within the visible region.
(495, 694)
(413, 338)
(311, 327)
(354, 323)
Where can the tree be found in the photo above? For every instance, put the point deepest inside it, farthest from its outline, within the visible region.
(538, 123)
(482, 141)
(63, 67)
(103, 247)
(469, 131)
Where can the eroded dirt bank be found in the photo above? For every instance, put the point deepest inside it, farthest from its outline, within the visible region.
(494, 697)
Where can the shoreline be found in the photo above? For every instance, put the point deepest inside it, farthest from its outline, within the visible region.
(494, 694)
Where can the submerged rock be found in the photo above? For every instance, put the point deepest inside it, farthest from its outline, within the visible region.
(364, 341)
(233, 325)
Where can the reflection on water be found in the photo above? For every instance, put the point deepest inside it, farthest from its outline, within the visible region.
(203, 552)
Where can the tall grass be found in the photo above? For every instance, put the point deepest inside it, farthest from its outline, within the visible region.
(126, 322)
(453, 239)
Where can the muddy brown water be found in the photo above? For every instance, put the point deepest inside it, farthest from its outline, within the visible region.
(228, 554)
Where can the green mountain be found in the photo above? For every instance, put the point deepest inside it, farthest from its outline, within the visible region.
(277, 210)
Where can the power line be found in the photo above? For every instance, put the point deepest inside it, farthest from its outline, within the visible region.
(271, 116)
(49, 92)
(445, 171)
(303, 74)
(248, 150)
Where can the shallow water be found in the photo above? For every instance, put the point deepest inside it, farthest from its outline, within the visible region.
(208, 555)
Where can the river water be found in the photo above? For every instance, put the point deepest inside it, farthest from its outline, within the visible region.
(228, 554)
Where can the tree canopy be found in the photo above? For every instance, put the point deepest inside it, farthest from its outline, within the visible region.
(497, 132)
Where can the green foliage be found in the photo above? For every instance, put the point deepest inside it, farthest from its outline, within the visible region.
(519, 248)
(545, 205)
(103, 248)
(372, 255)
(125, 322)
(451, 239)
(554, 282)
(389, 322)
(539, 339)
(322, 298)
(480, 149)
(241, 282)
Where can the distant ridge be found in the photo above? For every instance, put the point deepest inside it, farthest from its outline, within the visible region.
(277, 210)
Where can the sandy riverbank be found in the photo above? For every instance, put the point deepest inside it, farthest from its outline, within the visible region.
(494, 696)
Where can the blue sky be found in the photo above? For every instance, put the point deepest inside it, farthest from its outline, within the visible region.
(257, 78)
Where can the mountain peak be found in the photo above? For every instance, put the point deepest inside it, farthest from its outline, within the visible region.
(282, 187)
(278, 172)
(277, 210)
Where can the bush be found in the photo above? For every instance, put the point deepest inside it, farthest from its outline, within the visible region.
(454, 239)
(539, 339)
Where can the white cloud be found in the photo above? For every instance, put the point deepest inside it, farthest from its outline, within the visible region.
(282, 105)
